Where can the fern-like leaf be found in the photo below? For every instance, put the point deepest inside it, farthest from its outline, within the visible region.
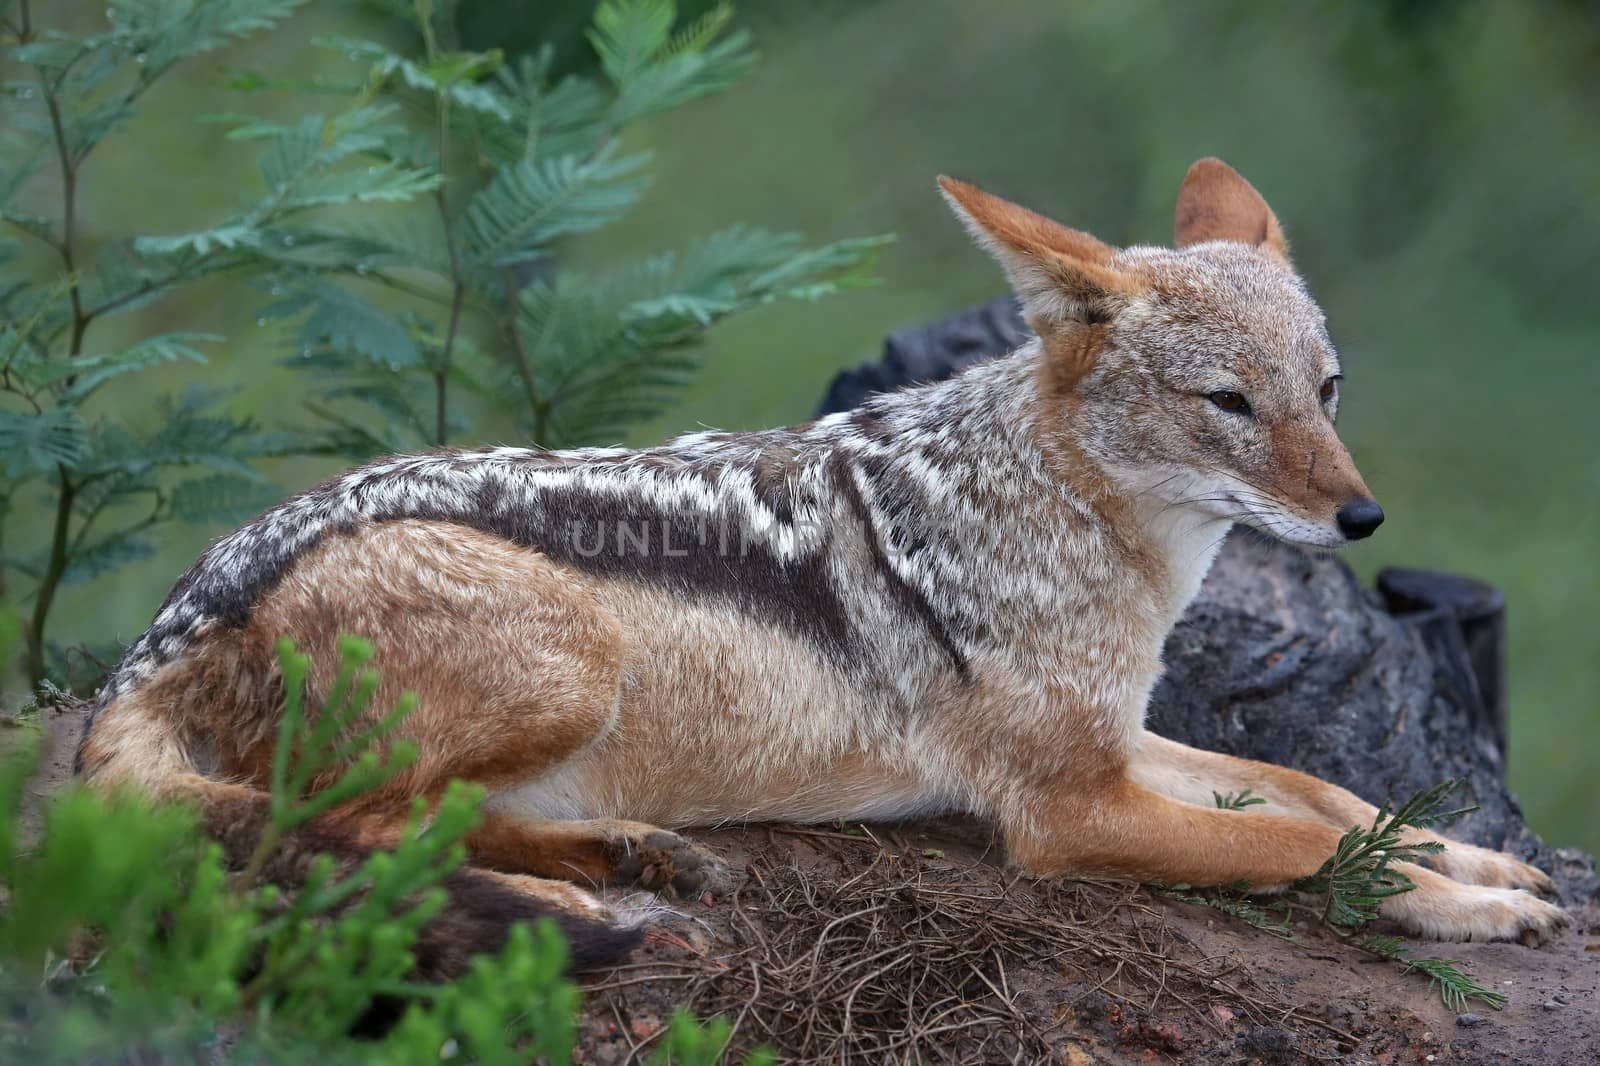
(1236, 802)
(226, 237)
(628, 35)
(38, 443)
(165, 31)
(1455, 985)
(336, 317)
(528, 204)
(86, 373)
(219, 498)
(455, 76)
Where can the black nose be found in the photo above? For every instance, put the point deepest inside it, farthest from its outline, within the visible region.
(1359, 517)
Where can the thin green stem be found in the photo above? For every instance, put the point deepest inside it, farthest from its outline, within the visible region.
(458, 286)
(48, 583)
(441, 374)
(144, 288)
(69, 214)
(61, 530)
(519, 351)
(155, 517)
(389, 281)
(33, 234)
(270, 839)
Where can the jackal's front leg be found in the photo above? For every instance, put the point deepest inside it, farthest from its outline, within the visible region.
(1119, 828)
(1195, 776)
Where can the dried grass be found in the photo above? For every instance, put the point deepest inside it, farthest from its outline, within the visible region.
(904, 961)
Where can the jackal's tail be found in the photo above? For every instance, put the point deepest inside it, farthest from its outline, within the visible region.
(132, 741)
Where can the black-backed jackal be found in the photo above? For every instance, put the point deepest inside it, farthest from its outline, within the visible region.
(951, 598)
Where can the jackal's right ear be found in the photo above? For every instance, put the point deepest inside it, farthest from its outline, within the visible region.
(1061, 275)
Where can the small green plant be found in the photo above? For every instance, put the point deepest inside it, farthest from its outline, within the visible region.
(1455, 986)
(507, 165)
(688, 1043)
(1359, 874)
(1235, 901)
(1353, 882)
(110, 480)
(1228, 801)
(307, 749)
(125, 937)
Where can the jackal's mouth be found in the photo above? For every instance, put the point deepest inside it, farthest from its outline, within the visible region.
(1283, 525)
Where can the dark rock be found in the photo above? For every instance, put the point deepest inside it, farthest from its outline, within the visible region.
(1284, 656)
(931, 353)
(1459, 618)
(1471, 1021)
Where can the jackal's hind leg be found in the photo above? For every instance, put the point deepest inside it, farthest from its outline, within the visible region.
(600, 851)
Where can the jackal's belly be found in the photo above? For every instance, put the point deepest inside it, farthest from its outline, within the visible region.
(695, 789)
(722, 719)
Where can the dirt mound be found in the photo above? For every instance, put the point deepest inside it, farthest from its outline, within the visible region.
(914, 944)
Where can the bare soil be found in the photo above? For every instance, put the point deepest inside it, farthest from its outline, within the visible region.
(915, 944)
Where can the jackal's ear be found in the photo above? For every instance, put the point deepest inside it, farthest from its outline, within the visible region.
(1217, 204)
(1060, 274)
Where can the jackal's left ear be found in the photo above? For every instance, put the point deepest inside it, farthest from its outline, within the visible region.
(1217, 204)
(1060, 274)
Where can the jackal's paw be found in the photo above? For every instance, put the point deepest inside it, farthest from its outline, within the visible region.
(1480, 866)
(1454, 911)
(665, 862)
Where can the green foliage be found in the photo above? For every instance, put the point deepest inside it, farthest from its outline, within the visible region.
(1271, 916)
(408, 230)
(1230, 802)
(125, 938)
(524, 161)
(1358, 876)
(1354, 881)
(10, 639)
(310, 748)
(688, 1043)
(1455, 985)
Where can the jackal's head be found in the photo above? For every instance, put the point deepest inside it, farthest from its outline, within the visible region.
(1201, 376)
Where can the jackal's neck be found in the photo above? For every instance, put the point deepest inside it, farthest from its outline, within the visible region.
(1001, 443)
(1149, 511)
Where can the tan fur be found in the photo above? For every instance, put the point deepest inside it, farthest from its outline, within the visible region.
(710, 736)
(490, 637)
(595, 708)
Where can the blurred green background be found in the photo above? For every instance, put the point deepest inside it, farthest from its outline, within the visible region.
(1436, 166)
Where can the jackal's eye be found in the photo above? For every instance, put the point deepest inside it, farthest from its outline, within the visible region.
(1329, 389)
(1229, 400)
